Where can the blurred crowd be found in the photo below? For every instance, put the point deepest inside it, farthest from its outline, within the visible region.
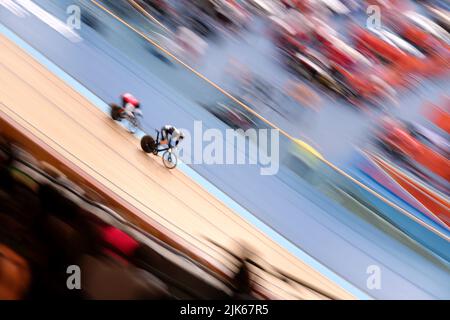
(365, 54)
(51, 227)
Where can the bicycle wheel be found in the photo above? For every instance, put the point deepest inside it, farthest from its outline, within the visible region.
(169, 160)
(148, 144)
(115, 112)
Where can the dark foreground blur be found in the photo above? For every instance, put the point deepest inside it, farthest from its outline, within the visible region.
(51, 229)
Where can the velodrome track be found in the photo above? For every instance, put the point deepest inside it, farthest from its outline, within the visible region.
(325, 230)
(64, 120)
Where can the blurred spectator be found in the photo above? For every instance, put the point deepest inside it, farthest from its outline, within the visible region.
(193, 46)
(303, 95)
(439, 115)
(118, 243)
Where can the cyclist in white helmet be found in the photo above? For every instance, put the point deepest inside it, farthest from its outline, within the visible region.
(170, 136)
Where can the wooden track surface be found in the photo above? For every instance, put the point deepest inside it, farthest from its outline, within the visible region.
(65, 121)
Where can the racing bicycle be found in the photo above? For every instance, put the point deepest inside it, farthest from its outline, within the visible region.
(152, 145)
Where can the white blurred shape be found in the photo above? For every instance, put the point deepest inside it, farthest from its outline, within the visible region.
(50, 20)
